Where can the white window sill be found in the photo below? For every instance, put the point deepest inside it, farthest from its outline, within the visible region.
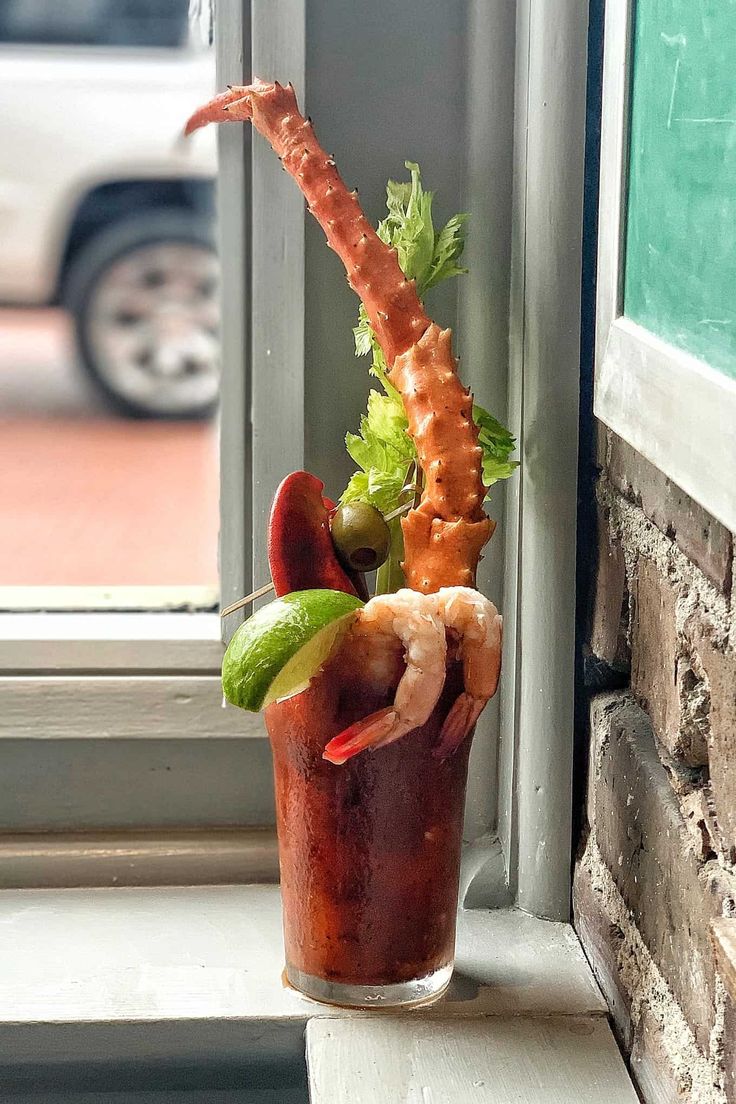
(110, 642)
(216, 952)
(199, 970)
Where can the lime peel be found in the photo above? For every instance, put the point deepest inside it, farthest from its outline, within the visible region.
(276, 652)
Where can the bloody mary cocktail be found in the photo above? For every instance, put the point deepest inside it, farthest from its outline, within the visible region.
(370, 850)
(369, 837)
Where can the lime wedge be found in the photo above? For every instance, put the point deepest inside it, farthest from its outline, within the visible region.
(275, 653)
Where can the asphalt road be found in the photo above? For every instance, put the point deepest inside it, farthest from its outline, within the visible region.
(86, 497)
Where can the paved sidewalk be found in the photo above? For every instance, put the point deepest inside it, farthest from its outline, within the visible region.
(88, 498)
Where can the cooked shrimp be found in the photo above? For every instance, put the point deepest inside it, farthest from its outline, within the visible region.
(479, 626)
(411, 618)
(419, 622)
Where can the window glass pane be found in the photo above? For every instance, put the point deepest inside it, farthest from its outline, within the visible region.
(681, 202)
(109, 344)
(94, 22)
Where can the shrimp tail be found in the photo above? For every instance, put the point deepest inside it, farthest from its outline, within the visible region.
(459, 721)
(391, 301)
(371, 731)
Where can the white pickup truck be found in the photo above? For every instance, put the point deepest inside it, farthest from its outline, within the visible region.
(102, 209)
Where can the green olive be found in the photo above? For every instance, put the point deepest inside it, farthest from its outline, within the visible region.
(361, 536)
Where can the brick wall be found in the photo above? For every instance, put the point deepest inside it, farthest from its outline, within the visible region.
(657, 858)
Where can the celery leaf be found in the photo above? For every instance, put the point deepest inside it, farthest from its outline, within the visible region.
(497, 443)
(383, 449)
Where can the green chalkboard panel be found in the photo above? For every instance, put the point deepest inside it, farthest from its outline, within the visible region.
(680, 271)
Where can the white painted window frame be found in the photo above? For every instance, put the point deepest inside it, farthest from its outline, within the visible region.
(673, 408)
(524, 310)
(122, 673)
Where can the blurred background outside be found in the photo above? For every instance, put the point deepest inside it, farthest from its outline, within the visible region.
(109, 359)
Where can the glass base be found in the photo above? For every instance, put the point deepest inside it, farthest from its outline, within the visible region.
(404, 994)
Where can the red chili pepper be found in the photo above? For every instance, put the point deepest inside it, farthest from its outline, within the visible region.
(301, 554)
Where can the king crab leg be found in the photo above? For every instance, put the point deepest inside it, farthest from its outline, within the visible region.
(391, 301)
(444, 536)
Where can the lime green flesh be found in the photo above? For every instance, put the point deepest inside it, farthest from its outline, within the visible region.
(277, 651)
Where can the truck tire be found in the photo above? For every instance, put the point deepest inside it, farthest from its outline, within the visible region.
(143, 294)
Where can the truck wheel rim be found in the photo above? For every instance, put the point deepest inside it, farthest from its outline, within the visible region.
(152, 325)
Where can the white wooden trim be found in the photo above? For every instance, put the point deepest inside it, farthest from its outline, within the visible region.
(675, 410)
(48, 707)
(483, 310)
(507, 803)
(110, 643)
(158, 980)
(194, 974)
(670, 406)
(215, 856)
(193, 856)
(44, 598)
(234, 194)
(483, 878)
(566, 1059)
(112, 783)
(277, 279)
(168, 954)
(614, 143)
(545, 328)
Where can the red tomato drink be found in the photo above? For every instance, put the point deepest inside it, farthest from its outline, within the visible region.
(370, 850)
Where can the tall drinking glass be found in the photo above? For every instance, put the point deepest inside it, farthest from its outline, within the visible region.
(369, 851)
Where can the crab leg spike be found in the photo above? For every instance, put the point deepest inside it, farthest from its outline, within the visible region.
(216, 111)
(373, 270)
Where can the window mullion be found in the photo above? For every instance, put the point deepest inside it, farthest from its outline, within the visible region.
(277, 287)
(232, 41)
